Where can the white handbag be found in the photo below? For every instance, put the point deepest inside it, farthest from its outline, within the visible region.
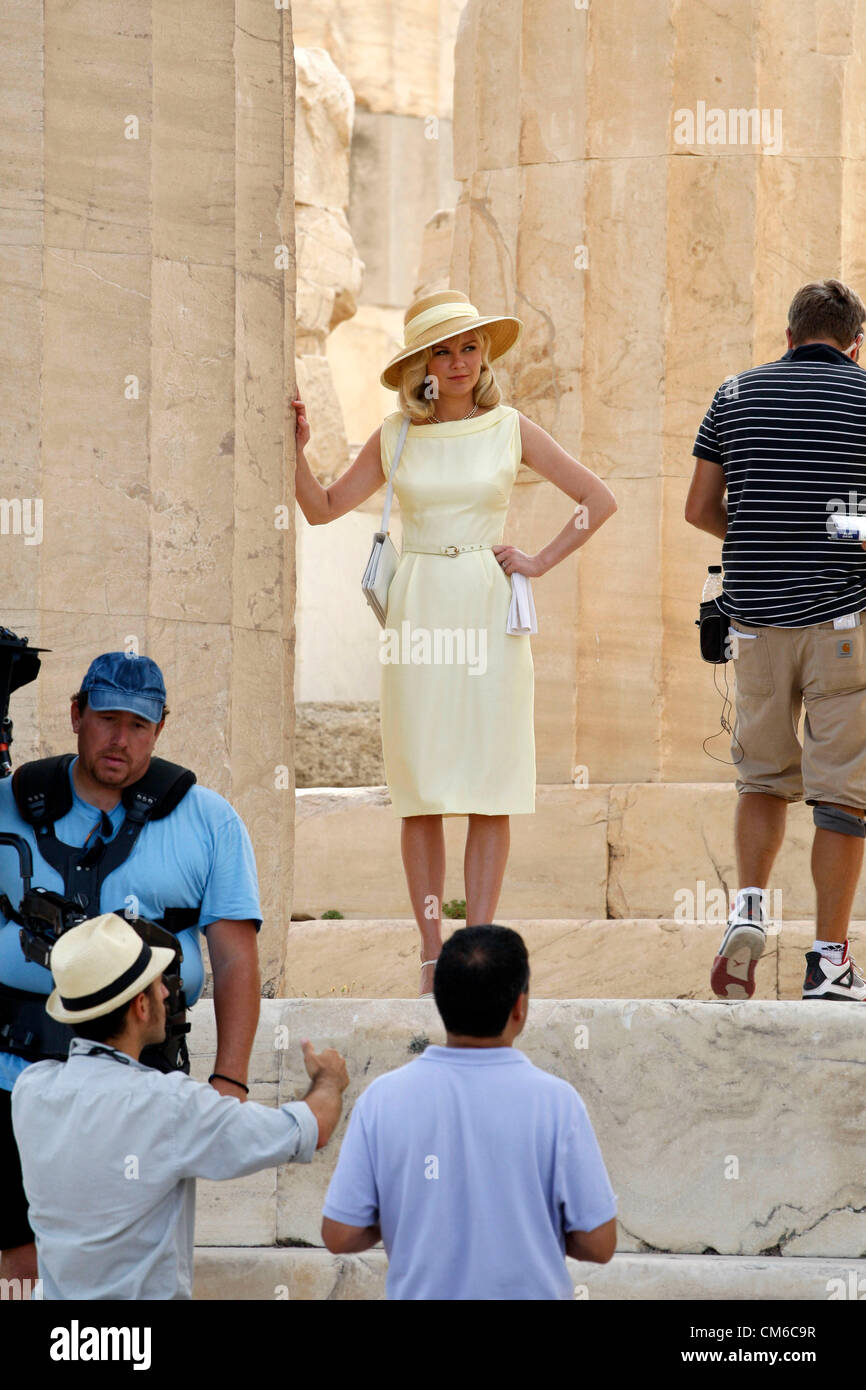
(384, 559)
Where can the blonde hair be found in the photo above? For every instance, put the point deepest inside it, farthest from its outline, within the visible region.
(414, 374)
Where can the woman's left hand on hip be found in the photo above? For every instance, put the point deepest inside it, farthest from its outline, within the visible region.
(514, 561)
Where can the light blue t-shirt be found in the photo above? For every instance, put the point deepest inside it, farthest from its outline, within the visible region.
(200, 853)
(475, 1164)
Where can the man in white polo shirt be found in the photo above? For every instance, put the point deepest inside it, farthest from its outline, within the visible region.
(110, 1148)
(477, 1170)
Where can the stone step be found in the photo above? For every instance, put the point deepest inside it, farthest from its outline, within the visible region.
(611, 959)
(734, 1129)
(622, 850)
(297, 1274)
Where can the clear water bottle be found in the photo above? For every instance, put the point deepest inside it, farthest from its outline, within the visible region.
(712, 621)
(712, 584)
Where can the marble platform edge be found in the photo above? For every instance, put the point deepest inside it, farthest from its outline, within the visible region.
(297, 1274)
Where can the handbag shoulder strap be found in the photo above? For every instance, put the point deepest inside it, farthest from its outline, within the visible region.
(401, 440)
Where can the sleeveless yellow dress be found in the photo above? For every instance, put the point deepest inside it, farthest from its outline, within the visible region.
(457, 690)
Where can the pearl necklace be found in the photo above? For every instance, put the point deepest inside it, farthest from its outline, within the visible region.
(460, 417)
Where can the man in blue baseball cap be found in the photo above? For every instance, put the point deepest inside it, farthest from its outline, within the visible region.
(117, 829)
(118, 681)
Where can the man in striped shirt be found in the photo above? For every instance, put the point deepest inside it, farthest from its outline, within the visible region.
(787, 441)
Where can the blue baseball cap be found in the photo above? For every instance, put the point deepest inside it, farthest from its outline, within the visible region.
(116, 680)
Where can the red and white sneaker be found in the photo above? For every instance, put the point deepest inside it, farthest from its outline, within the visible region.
(824, 980)
(733, 972)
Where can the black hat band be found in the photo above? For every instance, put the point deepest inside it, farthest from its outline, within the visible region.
(101, 996)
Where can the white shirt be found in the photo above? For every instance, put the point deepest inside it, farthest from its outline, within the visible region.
(110, 1150)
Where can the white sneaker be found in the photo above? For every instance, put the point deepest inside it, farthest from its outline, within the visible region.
(824, 980)
(733, 972)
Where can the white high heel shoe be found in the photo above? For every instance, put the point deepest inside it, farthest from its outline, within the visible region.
(429, 995)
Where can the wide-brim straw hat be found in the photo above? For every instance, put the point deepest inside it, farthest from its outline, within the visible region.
(99, 965)
(439, 316)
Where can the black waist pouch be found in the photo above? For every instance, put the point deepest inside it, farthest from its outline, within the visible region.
(27, 1031)
(714, 626)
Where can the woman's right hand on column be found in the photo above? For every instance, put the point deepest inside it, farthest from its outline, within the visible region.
(302, 428)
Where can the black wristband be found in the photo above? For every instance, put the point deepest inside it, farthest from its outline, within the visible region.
(218, 1076)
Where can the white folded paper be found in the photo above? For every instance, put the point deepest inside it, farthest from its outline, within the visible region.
(521, 614)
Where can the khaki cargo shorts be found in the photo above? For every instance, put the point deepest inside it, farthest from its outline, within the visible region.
(777, 671)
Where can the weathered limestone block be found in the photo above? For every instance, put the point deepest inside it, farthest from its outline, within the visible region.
(590, 851)
(434, 262)
(293, 1274)
(559, 854)
(22, 41)
(329, 274)
(316, 1274)
(398, 57)
(327, 451)
(401, 175)
(324, 111)
(622, 959)
(338, 744)
(486, 83)
(666, 837)
(357, 350)
(713, 1173)
(329, 270)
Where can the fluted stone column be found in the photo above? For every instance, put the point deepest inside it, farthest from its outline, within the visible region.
(147, 333)
(646, 270)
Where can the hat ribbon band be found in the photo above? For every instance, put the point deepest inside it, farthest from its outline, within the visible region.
(431, 318)
(101, 996)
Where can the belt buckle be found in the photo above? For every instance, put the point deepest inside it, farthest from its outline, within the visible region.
(451, 550)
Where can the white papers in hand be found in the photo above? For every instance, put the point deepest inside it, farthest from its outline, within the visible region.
(521, 614)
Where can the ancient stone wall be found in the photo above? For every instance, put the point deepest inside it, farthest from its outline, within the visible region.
(146, 323)
(647, 269)
(389, 167)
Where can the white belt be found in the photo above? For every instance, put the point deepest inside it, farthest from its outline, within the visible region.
(444, 549)
(522, 619)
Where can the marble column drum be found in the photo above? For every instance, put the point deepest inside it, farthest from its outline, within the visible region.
(147, 336)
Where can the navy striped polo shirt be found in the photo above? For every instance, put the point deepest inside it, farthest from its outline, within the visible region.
(791, 438)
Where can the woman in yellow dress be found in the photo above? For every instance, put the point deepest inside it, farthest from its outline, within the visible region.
(457, 675)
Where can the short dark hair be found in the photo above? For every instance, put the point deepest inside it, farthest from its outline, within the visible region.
(106, 1026)
(111, 1025)
(80, 698)
(826, 309)
(479, 977)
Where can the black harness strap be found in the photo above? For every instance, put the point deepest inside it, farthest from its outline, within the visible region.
(43, 795)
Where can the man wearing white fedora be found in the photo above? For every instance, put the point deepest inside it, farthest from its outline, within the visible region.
(116, 827)
(110, 1148)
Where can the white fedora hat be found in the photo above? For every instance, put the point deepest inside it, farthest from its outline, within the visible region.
(99, 965)
(442, 315)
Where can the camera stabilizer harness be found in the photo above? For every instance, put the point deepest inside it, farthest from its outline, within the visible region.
(43, 795)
